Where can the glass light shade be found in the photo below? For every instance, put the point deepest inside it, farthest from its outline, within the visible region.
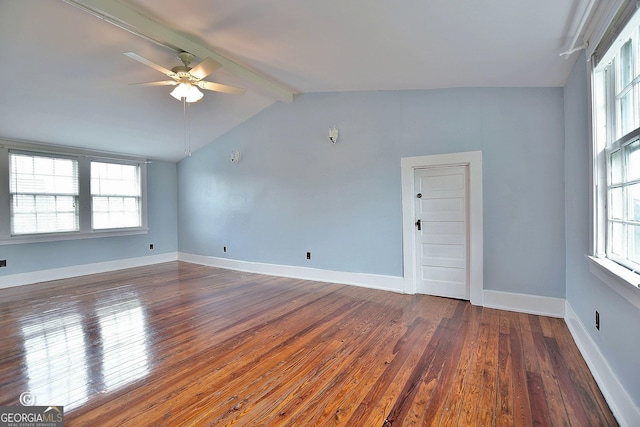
(188, 91)
(180, 91)
(194, 94)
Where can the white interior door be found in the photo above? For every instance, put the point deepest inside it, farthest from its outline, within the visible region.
(441, 213)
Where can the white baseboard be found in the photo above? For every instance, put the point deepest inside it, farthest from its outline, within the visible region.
(373, 281)
(621, 404)
(524, 303)
(82, 270)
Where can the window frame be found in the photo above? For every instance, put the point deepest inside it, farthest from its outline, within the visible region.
(75, 194)
(137, 197)
(84, 158)
(607, 137)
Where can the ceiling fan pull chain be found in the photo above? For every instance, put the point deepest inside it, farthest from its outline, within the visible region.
(188, 128)
(185, 127)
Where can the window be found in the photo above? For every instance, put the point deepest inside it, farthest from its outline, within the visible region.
(115, 195)
(43, 193)
(59, 194)
(616, 86)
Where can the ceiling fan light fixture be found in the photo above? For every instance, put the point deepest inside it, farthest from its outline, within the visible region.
(188, 91)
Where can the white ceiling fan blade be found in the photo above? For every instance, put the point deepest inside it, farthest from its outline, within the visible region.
(217, 87)
(203, 69)
(148, 63)
(162, 83)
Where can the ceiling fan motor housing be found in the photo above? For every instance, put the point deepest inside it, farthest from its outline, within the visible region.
(182, 71)
(182, 74)
(186, 58)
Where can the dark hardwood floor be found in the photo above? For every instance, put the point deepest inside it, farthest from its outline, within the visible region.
(182, 344)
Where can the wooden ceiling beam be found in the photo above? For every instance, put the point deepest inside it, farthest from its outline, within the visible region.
(121, 15)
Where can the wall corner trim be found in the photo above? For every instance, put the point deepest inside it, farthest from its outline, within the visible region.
(621, 404)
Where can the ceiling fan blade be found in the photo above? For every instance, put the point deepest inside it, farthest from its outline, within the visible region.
(162, 83)
(148, 63)
(217, 87)
(203, 69)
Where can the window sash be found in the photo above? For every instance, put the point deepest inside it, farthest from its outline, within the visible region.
(623, 203)
(116, 195)
(43, 194)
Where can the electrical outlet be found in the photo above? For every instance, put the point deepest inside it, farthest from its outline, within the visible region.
(597, 320)
(151, 246)
(308, 255)
(3, 262)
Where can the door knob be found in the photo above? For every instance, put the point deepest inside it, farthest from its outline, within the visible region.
(419, 225)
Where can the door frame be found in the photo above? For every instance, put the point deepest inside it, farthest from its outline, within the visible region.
(408, 166)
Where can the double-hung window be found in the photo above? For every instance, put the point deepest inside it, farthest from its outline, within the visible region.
(116, 195)
(59, 194)
(616, 89)
(43, 194)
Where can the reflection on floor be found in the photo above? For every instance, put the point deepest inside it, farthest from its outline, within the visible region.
(70, 353)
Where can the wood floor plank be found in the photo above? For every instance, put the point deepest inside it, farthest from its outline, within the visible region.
(537, 402)
(504, 408)
(521, 401)
(475, 375)
(331, 381)
(453, 406)
(353, 390)
(183, 344)
(403, 348)
(312, 372)
(552, 390)
(406, 399)
(409, 387)
(571, 397)
(490, 381)
(588, 393)
(445, 360)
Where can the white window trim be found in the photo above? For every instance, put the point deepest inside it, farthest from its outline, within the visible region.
(84, 164)
(621, 279)
(93, 196)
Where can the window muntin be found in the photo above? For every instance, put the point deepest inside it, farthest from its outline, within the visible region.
(43, 192)
(116, 195)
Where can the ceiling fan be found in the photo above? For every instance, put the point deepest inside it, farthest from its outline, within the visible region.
(186, 79)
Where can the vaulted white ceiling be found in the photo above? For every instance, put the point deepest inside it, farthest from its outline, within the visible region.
(66, 81)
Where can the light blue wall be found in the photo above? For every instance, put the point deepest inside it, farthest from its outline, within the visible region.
(617, 339)
(162, 219)
(293, 191)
